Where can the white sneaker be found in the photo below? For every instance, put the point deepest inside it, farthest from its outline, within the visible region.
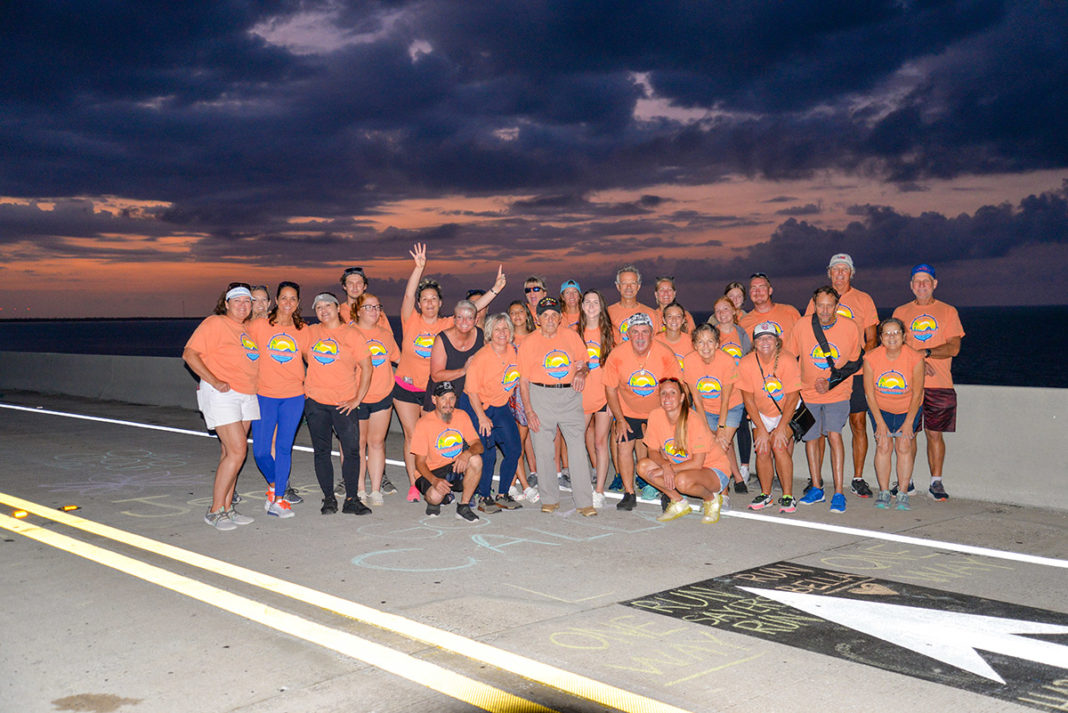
(220, 520)
(361, 494)
(531, 494)
(237, 518)
(375, 498)
(281, 509)
(515, 492)
(598, 500)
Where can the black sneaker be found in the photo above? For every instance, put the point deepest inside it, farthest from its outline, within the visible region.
(355, 506)
(292, 498)
(433, 510)
(487, 504)
(387, 488)
(507, 502)
(808, 487)
(236, 500)
(741, 488)
(664, 502)
(464, 512)
(565, 481)
(628, 502)
(860, 487)
(329, 505)
(912, 488)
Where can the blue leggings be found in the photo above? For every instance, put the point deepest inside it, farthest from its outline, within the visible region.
(506, 435)
(283, 414)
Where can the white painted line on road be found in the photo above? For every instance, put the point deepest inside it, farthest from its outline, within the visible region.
(421, 672)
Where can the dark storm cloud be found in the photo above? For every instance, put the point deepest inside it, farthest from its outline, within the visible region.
(807, 209)
(182, 103)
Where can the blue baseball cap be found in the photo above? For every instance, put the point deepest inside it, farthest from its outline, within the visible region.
(569, 283)
(923, 267)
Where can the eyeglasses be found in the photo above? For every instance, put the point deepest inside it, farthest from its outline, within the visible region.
(894, 333)
(371, 307)
(528, 290)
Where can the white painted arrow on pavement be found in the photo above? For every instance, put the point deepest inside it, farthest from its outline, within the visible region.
(951, 637)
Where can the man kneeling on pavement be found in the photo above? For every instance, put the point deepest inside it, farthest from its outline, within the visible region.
(448, 455)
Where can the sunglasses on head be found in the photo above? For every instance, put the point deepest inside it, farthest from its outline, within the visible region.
(758, 274)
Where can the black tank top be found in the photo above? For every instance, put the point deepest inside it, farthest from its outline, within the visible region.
(454, 359)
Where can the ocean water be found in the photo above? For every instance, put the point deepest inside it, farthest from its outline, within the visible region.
(1003, 346)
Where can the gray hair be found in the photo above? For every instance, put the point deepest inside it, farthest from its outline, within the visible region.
(629, 268)
(465, 306)
(491, 324)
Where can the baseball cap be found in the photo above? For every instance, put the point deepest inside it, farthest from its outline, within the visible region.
(546, 304)
(569, 283)
(923, 267)
(765, 328)
(841, 259)
(444, 387)
(324, 297)
(639, 319)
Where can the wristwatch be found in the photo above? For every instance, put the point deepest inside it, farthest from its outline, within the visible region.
(927, 353)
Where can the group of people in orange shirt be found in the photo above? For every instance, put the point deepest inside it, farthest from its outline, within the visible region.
(565, 386)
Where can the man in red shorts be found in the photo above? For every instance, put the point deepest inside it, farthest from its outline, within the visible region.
(934, 330)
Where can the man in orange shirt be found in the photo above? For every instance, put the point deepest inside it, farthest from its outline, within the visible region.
(628, 282)
(934, 330)
(448, 454)
(782, 316)
(632, 375)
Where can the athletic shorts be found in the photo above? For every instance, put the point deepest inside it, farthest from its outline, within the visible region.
(940, 410)
(456, 480)
(635, 429)
(858, 402)
(734, 418)
(220, 408)
(830, 418)
(364, 411)
(409, 397)
(894, 421)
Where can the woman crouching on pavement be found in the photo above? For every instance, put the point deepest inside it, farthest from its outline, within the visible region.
(223, 355)
(683, 459)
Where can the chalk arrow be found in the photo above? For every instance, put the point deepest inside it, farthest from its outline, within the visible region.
(952, 637)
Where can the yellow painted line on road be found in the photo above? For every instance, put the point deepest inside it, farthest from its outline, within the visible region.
(426, 674)
(516, 664)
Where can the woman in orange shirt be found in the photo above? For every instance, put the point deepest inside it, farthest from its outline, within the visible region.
(674, 336)
(523, 325)
(376, 410)
(223, 354)
(683, 457)
(570, 299)
(599, 335)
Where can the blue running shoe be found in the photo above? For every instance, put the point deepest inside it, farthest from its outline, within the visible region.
(838, 503)
(650, 493)
(813, 496)
(617, 484)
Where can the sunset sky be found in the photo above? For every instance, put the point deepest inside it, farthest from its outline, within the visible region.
(151, 153)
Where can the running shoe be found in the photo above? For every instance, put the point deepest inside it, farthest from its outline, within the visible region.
(912, 488)
(808, 487)
(675, 510)
(860, 487)
(627, 502)
(531, 494)
(664, 502)
(433, 510)
(650, 493)
(387, 488)
(565, 478)
(354, 506)
(515, 491)
(532, 479)
(220, 520)
(281, 509)
(463, 512)
(740, 488)
(237, 517)
(616, 485)
(339, 489)
(812, 496)
(486, 504)
(712, 509)
(838, 503)
(414, 495)
(269, 500)
(902, 502)
(292, 497)
(787, 503)
(329, 505)
(598, 500)
(938, 492)
(883, 500)
(375, 498)
(361, 494)
(236, 500)
(507, 502)
(761, 501)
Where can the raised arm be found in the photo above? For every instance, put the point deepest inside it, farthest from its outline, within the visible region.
(483, 300)
(418, 253)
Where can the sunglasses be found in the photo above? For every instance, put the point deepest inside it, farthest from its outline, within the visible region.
(528, 290)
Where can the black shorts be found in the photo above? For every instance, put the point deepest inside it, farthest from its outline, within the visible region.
(635, 428)
(456, 480)
(940, 410)
(364, 411)
(408, 397)
(858, 402)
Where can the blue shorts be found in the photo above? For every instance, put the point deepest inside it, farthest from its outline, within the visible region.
(734, 418)
(894, 421)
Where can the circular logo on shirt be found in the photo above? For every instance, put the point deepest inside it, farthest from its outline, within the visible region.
(773, 388)
(250, 347)
(923, 327)
(423, 344)
(623, 329)
(379, 353)
(593, 355)
(642, 382)
(891, 383)
(557, 364)
(282, 348)
(708, 387)
(675, 455)
(450, 443)
(510, 378)
(819, 357)
(324, 351)
(844, 311)
(734, 350)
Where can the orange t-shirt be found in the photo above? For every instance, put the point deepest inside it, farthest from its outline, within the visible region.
(441, 442)
(637, 378)
(680, 348)
(927, 327)
(731, 344)
(770, 390)
(706, 381)
(416, 345)
(551, 360)
(844, 339)
(660, 436)
(855, 305)
(492, 377)
(569, 320)
(346, 316)
(593, 395)
(333, 357)
(781, 315)
(228, 350)
(618, 315)
(384, 350)
(893, 379)
(281, 364)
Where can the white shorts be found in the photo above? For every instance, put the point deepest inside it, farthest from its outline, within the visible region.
(771, 422)
(220, 408)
